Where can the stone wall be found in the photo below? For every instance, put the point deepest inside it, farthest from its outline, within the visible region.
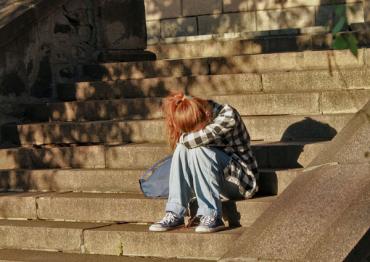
(175, 18)
(40, 44)
(43, 42)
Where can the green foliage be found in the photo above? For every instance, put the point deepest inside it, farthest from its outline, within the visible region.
(343, 40)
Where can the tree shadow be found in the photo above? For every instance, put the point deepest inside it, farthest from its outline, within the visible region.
(95, 110)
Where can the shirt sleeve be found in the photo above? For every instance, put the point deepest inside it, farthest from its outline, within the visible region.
(223, 123)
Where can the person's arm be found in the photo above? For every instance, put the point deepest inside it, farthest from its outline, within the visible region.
(223, 123)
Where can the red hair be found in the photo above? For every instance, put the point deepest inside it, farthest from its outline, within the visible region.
(184, 114)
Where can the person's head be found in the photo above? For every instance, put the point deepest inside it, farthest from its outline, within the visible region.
(185, 114)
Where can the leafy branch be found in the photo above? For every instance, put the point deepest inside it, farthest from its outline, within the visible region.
(340, 40)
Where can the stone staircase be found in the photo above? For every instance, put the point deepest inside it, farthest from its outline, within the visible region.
(70, 182)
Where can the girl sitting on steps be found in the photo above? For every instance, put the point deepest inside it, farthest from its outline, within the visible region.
(212, 159)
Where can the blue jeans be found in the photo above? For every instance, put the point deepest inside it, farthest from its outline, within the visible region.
(199, 171)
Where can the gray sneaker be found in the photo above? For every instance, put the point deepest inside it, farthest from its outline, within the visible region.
(210, 224)
(170, 221)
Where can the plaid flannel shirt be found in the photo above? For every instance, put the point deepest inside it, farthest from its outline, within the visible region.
(228, 132)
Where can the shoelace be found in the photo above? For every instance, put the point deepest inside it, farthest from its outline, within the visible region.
(207, 220)
(168, 218)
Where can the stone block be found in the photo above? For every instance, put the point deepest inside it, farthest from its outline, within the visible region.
(352, 144)
(338, 59)
(68, 157)
(316, 80)
(13, 255)
(209, 48)
(285, 18)
(325, 15)
(274, 104)
(122, 24)
(219, 24)
(295, 128)
(153, 31)
(148, 69)
(342, 236)
(295, 226)
(18, 205)
(123, 239)
(100, 207)
(344, 102)
(162, 9)
(367, 57)
(135, 157)
(236, 5)
(42, 235)
(205, 7)
(76, 180)
(366, 10)
(14, 159)
(179, 27)
(271, 5)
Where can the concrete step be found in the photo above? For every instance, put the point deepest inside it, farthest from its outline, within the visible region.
(278, 155)
(16, 255)
(272, 182)
(112, 207)
(226, 84)
(273, 41)
(291, 61)
(262, 128)
(253, 104)
(116, 239)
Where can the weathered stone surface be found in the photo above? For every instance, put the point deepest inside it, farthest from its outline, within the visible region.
(112, 180)
(293, 61)
(290, 231)
(77, 180)
(275, 182)
(42, 235)
(18, 205)
(67, 157)
(63, 157)
(290, 103)
(267, 128)
(210, 48)
(205, 7)
(123, 239)
(159, 9)
(132, 208)
(327, 210)
(153, 30)
(14, 255)
(343, 237)
(316, 80)
(128, 156)
(14, 158)
(269, 155)
(235, 5)
(285, 18)
(367, 57)
(122, 24)
(160, 87)
(351, 145)
(325, 14)
(296, 128)
(147, 69)
(347, 102)
(266, 5)
(179, 27)
(366, 10)
(219, 24)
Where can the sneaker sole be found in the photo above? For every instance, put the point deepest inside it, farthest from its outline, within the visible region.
(164, 229)
(209, 230)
